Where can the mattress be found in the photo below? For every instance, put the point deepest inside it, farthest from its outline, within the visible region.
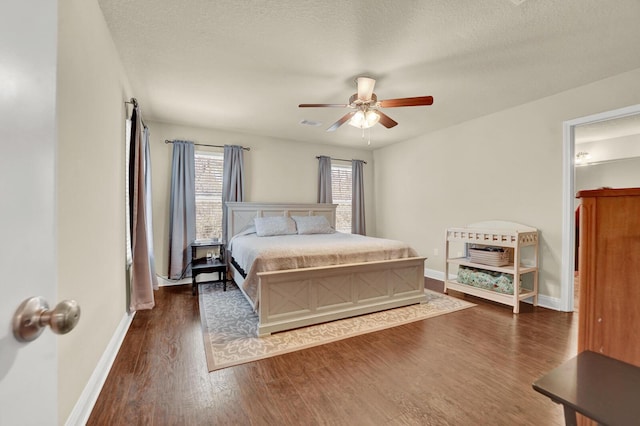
(254, 254)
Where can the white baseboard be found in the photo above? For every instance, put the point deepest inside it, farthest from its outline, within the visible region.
(166, 282)
(549, 302)
(543, 300)
(433, 274)
(437, 275)
(82, 410)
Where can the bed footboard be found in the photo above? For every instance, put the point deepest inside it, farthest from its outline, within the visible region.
(301, 297)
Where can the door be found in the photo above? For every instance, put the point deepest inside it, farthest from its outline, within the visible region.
(28, 371)
(569, 193)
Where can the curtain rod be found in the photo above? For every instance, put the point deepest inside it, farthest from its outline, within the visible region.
(342, 159)
(134, 102)
(204, 144)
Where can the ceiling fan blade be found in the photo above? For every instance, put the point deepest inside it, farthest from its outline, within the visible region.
(340, 122)
(386, 121)
(323, 105)
(401, 102)
(365, 88)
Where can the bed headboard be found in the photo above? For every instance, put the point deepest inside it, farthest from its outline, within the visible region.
(239, 215)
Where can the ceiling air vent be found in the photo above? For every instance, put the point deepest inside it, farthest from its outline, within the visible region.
(311, 123)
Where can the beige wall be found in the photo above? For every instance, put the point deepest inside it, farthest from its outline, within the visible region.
(276, 171)
(624, 173)
(505, 166)
(90, 183)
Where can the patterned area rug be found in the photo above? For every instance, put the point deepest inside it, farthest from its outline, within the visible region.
(229, 326)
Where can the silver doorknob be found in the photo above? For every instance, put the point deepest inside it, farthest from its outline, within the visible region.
(33, 315)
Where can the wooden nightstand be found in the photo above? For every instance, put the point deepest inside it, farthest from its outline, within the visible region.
(207, 265)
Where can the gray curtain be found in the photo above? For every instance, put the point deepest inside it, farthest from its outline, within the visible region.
(324, 180)
(357, 200)
(232, 181)
(143, 271)
(182, 209)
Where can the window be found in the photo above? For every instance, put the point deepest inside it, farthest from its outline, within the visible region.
(208, 194)
(341, 188)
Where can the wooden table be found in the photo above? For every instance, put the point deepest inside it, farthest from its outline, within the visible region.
(601, 388)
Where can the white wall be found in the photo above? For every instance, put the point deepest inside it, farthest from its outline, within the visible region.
(276, 171)
(610, 149)
(507, 166)
(615, 174)
(91, 244)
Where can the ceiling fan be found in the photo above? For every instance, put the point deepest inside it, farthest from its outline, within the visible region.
(366, 107)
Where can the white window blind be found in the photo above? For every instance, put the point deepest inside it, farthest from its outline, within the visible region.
(208, 194)
(341, 188)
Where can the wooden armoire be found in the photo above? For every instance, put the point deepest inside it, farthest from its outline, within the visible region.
(609, 270)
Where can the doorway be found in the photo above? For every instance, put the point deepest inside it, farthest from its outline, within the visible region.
(569, 191)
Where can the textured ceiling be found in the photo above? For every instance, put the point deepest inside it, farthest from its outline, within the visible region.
(244, 66)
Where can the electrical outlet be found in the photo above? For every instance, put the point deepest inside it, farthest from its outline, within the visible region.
(436, 252)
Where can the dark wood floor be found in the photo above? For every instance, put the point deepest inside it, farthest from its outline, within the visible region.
(472, 367)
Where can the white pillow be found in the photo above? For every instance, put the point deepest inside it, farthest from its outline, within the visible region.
(274, 225)
(313, 225)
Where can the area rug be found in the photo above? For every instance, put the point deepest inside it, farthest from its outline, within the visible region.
(229, 326)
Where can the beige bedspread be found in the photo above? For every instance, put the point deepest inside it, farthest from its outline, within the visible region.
(262, 254)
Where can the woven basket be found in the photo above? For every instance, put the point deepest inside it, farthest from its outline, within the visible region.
(486, 257)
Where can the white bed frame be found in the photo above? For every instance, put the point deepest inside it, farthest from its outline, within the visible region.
(301, 297)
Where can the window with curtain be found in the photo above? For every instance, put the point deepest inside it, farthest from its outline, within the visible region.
(341, 186)
(209, 168)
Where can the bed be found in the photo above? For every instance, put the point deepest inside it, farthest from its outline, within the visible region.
(298, 289)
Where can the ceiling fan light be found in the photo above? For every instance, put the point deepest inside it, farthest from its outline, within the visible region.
(357, 120)
(372, 118)
(364, 120)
